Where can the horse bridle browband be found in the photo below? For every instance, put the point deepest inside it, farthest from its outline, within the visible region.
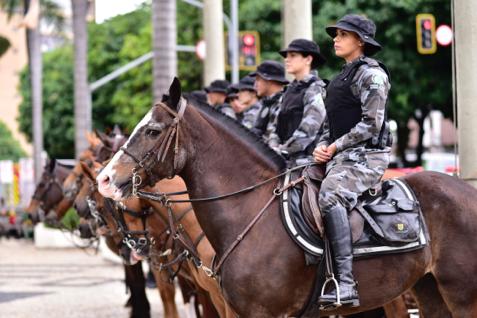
(160, 149)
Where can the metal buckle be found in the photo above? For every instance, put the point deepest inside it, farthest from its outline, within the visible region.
(136, 182)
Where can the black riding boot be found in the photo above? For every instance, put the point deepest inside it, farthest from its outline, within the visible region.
(339, 234)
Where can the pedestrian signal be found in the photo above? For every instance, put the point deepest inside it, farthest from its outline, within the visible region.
(426, 33)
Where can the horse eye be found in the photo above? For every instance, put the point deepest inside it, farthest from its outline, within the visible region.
(152, 132)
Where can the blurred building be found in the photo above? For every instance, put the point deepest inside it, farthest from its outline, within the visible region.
(16, 59)
(11, 64)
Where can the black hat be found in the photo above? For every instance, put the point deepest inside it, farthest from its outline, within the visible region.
(271, 71)
(217, 86)
(305, 46)
(246, 83)
(363, 27)
(232, 92)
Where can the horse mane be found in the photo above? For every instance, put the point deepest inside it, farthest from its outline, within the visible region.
(230, 124)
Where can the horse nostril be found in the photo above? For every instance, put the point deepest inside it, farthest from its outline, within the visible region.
(104, 180)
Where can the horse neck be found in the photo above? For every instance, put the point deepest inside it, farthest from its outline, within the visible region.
(222, 162)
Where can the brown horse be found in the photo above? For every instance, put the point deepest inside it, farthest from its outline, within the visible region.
(48, 191)
(157, 225)
(266, 274)
(114, 239)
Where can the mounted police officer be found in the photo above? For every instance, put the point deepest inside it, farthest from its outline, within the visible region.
(302, 110)
(355, 142)
(216, 95)
(248, 106)
(269, 82)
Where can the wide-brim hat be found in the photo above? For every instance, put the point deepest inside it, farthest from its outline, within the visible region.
(246, 84)
(217, 86)
(232, 92)
(305, 46)
(363, 27)
(271, 71)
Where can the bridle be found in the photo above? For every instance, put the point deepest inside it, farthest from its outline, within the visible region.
(72, 193)
(50, 182)
(160, 149)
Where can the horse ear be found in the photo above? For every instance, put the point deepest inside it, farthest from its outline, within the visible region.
(102, 136)
(87, 170)
(175, 92)
(51, 165)
(117, 130)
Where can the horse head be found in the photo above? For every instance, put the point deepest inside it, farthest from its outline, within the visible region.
(159, 135)
(48, 191)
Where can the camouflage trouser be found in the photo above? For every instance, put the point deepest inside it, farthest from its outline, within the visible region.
(348, 175)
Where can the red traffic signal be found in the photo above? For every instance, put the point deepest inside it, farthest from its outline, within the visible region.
(249, 50)
(426, 33)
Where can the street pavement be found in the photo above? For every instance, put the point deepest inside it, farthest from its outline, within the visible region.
(66, 283)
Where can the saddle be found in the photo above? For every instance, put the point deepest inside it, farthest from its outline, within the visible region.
(387, 218)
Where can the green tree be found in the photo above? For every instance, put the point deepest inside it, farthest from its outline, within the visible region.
(10, 149)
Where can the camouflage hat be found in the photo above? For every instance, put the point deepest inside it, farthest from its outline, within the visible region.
(360, 25)
(305, 46)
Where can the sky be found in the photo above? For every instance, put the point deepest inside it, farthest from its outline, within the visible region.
(106, 9)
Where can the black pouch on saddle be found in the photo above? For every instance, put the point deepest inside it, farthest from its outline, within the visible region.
(395, 218)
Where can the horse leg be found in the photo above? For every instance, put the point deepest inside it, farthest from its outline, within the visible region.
(396, 308)
(137, 285)
(430, 301)
(167, 292)
(208, 308)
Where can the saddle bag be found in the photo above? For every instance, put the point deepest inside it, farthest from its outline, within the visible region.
(397, 219)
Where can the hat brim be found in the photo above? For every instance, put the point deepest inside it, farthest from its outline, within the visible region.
(371, 45)
(214, 90)
(281, 80)
(318, 59)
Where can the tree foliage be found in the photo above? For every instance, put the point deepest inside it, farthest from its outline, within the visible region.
(418, 81)
(10, 149)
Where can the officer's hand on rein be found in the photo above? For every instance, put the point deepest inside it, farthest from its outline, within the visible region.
(323, 153)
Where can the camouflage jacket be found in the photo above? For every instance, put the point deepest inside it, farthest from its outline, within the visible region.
(264, 123)
(226, 109)
(314, 114)
(249, 116)
(371, 86)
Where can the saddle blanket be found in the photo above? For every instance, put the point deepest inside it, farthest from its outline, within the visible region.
(385, 221)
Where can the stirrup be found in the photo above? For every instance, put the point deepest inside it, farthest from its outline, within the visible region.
(337, 303)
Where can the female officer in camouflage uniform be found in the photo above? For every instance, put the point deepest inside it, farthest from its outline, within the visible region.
(355, 142)
(302, 111)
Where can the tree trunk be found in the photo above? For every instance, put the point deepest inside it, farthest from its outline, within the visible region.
(36, 71)
(164, 45)
(82, 94)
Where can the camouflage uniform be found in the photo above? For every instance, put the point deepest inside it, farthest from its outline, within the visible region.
(249, 116)
(264, 123)
(356, 166)
(314, 114)
(226, 109)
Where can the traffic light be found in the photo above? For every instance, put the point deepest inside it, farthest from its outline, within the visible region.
(426, 33)
(249, 48)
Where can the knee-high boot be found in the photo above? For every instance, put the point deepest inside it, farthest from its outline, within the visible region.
(338, 232)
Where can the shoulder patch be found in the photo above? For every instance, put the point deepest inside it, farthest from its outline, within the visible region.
(264, 112)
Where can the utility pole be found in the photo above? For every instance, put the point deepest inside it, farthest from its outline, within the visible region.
(465, 15)
(296, 20)
(233, 41)
(164, 45)
(214, 63)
